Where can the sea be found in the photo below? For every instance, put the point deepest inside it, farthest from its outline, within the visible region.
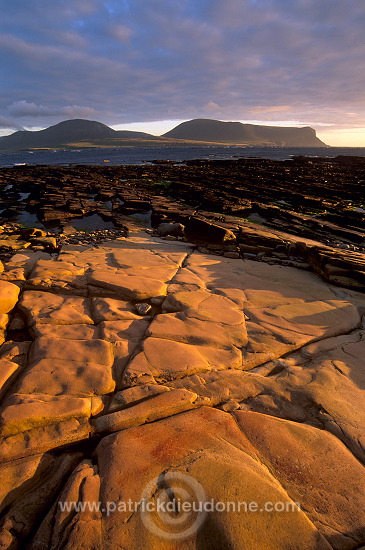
(117, 156)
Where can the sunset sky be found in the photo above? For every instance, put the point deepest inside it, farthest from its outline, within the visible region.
(150, 64)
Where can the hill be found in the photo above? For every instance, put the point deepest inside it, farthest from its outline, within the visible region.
(90, 133)
(249, 134)
(63, 133)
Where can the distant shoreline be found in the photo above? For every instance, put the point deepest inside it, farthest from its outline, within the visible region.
(159, 142)
(170, 153)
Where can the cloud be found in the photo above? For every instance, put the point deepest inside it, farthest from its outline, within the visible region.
(8, 123)
(213, 107)
(122, 61)
(270, 109)
(23, 108)
(121, 33)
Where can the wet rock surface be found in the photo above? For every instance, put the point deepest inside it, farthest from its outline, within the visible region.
(157, 368)
(300, 212)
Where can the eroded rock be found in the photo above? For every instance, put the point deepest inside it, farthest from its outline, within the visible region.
(245, 377)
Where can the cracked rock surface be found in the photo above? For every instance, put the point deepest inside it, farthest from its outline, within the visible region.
(245, 377)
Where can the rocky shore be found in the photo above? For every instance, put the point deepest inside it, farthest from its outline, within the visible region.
(206, 345)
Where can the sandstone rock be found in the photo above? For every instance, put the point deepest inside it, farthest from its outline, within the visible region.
(32, 500)
(49, 268)
(82, 351)
(15, 351)
(33, 232)
(216, 388)
(74, 367)
(93, 357)
(277, 330)
(8, 296)
(198, 299)
(167, 360)
(156, 407)
(298, 457)
(43, 438)
(129, 287)
(4, 318)
(18, 475)
(7, 370)
(13, 275)
(145, 257)
(135, 394)
(17, 322)
(127, 331)
(109, 309)
(26, 260)
(57, 377)
(46, 308)
(226, 471)
(68, 530)
(25, 412)
(49, 243)
(201, 230)
(13, 244)
(182, 328)
(67, 332)
(174, 229)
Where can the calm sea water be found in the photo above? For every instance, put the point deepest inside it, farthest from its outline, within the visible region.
(139, 155)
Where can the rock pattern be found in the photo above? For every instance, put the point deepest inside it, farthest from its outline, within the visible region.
(304, 212)
(148, 365)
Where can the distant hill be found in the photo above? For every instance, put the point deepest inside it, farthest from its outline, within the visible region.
(69, 131)
(89, 133)
(202, 129)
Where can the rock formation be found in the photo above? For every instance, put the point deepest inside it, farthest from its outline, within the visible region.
(241, 383)
(201, 129)
(194, 384)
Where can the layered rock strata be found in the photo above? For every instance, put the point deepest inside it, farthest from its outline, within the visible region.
(243, 379)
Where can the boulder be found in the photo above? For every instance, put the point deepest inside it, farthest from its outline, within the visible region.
(8, 296)
(174, 229)
(198, 230)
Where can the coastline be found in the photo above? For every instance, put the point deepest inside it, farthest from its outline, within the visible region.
(210, 335)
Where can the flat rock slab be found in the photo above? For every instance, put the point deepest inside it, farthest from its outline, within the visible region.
(243, 377)
(227, 469)
(155, 408)
(25, 412)
(43, 439)
(147, 258)
(46, 308)
(168, 360)
(298, 454)
(55, 377)
(129, 287)
(123, 331)
(66, 332)
(74, 367)
(80, 351)
(189, 330)
(110, 309)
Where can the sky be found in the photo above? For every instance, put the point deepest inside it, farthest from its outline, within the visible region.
(150, 64)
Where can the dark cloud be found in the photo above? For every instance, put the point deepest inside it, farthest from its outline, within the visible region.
(123, 61)
(23, 108)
